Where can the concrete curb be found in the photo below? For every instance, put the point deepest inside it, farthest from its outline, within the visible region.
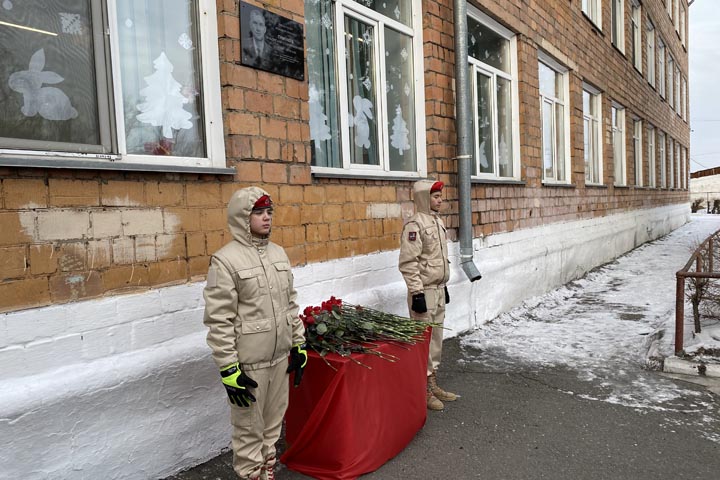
(685, 367)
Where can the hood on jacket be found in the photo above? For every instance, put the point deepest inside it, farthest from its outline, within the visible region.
(421, 196)
(239, 209)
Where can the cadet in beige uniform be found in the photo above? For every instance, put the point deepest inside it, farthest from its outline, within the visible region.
(424, 266)
(253, 324)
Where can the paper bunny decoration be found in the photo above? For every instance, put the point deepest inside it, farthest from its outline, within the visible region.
(363, 112)
(50, 102)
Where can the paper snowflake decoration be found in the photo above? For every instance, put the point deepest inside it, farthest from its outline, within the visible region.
(327, 23)
(407, 90)
(129, 23)
(185, 41)
(367, 83)
(7, 5)
(404, 54)
(397, 12)
(71, 23)
(367, 37)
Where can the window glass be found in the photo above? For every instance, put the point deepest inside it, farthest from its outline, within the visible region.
(591, 137)
(161, 78)
(505, 138)
(485, 123)
(323, 94)
(488, 46)
(400, 10)
(361, 88)
(400, 96)
(48, 89)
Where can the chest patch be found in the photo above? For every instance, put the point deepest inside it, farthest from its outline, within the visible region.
(412, 236)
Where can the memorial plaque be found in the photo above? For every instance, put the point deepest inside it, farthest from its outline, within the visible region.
(271, 42)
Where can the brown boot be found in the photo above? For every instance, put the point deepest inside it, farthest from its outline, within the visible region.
(438, 392)
(432, 402)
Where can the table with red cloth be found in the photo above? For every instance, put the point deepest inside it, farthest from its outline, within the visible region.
(345, 423)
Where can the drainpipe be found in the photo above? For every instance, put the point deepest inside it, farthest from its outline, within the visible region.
(464, 139)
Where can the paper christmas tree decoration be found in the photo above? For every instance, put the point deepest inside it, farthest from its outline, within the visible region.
(163, 106)
(399, 138)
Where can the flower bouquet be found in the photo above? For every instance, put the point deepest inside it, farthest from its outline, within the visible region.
(343, 328)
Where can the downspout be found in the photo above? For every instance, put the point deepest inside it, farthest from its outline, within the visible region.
(464, 140)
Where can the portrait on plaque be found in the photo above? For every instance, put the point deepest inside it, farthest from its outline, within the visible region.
(271, 42)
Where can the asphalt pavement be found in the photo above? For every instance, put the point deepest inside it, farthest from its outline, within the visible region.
(538, 423)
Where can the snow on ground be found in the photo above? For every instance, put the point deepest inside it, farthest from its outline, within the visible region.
(604, 325)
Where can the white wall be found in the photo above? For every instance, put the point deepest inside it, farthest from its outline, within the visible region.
(124, 387)
(705, 188)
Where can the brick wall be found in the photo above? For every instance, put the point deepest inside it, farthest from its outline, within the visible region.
(73, 234)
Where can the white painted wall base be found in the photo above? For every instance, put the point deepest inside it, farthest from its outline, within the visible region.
(124, 387)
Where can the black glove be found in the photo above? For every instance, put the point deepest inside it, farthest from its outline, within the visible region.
(447, 296)
(236, 385)
(298, 360)
(418, 303)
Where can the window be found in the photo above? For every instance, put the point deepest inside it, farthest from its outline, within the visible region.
(143, 88)
(676, 15)
(365, 87)
(637, 152)
(670, 81)
(661, 67)
(678, 93)
(617, 32)
(663, 160)
(679, 183)
(650, 53)
(592, 145)
(618, 141)
(555, 120)
(651, 156)
(684, 167)
(592, 9)
(683, 107)
(669, 7)
(636, 35)
(491, 50)
(683, 19)
(671, 162)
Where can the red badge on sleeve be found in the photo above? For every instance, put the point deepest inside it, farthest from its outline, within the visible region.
(412, 236)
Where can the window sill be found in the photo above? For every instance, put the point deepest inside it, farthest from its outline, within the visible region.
(596, 27)
(26, 162)
(622, 187)
(595, 185)
(559, 185)
(493, 181)
(356, 175)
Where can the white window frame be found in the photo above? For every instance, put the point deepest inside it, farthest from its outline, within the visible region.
(650, 52)
(662, 151)
(636, 22)
(617, 17)
(669, 7)
(595, 127)
(593, 10)
(676, 16)
(618, 143)
(683, 20)
(652, 182)
(678, 184)
(671, 161)
(379, 21)
(678, 93)
(670, 81)
(684, 99)
(685, 167)
(478, 67)
(561, 153)
(638, 151)
(212, 107)
(661, 67)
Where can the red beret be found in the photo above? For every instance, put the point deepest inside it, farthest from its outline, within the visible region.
(437, 187)
(263, 202)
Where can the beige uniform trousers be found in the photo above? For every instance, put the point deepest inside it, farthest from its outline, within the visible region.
(435, 301)
(256, 428)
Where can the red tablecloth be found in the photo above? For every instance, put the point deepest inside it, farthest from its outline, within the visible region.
(345, 423)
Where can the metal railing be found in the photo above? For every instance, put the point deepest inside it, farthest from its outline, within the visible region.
(703, 259)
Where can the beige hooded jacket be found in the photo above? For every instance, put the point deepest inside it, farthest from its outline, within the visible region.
(423, 244)
(250, 302)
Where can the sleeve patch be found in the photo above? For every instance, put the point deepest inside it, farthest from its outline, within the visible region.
(212, 277)
(412, 236)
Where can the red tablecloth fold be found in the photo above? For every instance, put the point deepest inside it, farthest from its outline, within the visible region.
(345, 423)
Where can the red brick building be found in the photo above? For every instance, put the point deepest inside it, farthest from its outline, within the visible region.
(119, 152)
